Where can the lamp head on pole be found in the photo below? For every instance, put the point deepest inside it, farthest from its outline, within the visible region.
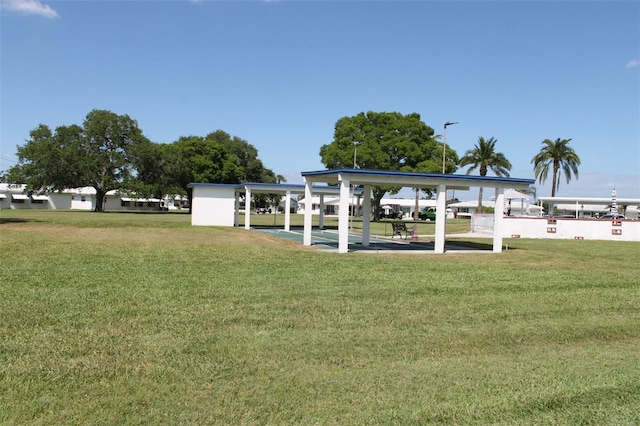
(355, 151)
(444, 144)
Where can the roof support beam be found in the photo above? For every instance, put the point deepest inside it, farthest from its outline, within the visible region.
(236, 214)
(441, 214)
(247, 208)
(498, 213)
(343, 217)
(306, 233)
(366, 215)
(321, 207)
(287, 210)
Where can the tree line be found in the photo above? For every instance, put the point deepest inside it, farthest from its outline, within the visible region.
(392, 141)
(110, 152)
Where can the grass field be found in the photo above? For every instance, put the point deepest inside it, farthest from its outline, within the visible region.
(120, 318)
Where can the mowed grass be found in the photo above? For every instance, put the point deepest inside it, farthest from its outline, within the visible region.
(122, 318)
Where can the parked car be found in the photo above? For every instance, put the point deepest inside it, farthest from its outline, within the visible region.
(611, 216)
(427, 213)
(391, 214)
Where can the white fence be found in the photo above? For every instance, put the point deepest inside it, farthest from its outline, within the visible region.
(482, 223)
(559, 228)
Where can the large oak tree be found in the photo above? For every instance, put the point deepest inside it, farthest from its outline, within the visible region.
(385, 141)
(99, 155)
(215, 158)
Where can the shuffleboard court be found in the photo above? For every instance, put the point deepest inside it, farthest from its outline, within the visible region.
(327, 240)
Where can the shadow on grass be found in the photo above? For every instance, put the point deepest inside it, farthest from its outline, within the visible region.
(293, 228)
(143, 212)
(475, 245)
(8, 220)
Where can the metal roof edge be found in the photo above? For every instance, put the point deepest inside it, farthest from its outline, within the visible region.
(300, 186)
(279, 185)
(219, 185)
(392, 173)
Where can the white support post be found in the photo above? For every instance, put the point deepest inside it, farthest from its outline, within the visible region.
(366, 215)
(308, 195)
(321, 212)
(247, 208)
(498, 214)
(287, 211)
(441, 216)
(236, 214)
(343, 217)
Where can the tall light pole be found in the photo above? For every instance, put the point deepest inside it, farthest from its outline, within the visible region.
(355, 153)
(355, 166)
(444, 145)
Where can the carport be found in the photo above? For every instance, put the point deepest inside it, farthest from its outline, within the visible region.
(215, 204)
(345, 178)
(282, 189)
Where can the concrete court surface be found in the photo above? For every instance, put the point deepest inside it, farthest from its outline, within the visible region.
(327, 240)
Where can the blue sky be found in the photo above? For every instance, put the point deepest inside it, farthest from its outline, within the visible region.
(279, 74)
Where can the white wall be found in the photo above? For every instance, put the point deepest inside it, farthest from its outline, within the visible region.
(213, 206)
(87, 204)
(25, 204)
(41, 205)
(588, 229)
(114, 203)
(60, 201)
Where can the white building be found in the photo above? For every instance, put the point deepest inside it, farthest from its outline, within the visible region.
(465, 209)
(586, 207)
(514, 204)
(16, 197)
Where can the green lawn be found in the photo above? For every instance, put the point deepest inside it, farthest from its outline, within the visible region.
(121, 318)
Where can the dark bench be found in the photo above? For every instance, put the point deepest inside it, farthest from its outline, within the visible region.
(399, 228)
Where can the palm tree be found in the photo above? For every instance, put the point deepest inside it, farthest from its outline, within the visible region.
(275, 199)
(484, 156)
(559, 156)
(531, 191)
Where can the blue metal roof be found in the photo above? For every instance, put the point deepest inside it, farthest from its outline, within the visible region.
(279, 185)
(219, 185)
(267, 186)
(417, 175)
